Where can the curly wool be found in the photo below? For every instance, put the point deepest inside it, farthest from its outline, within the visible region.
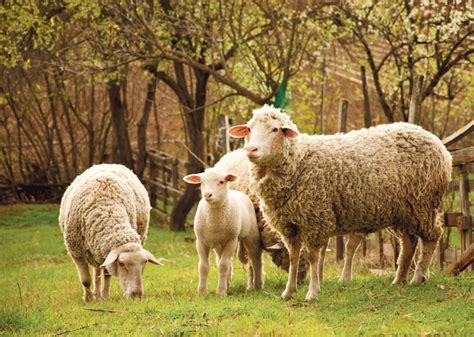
(237, 162)
(104, 207)
(359, 182)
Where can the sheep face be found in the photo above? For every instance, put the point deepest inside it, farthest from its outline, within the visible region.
(127, 263)
(265, 134)
(214, 184)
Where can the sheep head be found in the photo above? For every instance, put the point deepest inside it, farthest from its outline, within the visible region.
(214, 184)
(127, 263)
(266, 134)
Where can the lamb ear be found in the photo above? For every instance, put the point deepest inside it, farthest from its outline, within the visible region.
(290, 132)
(111, 258)
(151, 258)
(238, 131)
(231, 177)
(192, 179)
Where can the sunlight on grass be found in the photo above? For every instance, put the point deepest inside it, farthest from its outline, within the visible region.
(41, 294)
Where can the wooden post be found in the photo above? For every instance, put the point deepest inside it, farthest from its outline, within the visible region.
(466, 225)
(342, 127)
(227, 137)
(415, 102)
(367, 124)
(152, 188)
(365, 92)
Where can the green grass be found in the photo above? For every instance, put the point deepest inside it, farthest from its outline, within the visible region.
(41, 294)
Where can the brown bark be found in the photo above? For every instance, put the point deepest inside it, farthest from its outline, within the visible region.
(119, 124)
(143, 123)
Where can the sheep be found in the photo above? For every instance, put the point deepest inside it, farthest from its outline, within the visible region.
(104, 216)
(314, 187)
(237, 163)
(224, 220)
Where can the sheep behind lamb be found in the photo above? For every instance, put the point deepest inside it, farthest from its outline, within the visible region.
(224, 220)
(104, 218)
(314, 187)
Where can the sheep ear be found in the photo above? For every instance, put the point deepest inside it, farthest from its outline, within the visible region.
(231, 177)
(290, 132)
(152, 259)
(193, 179)
(239, 131)
(111, 258)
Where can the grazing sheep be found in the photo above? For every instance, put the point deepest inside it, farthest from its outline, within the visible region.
(104, 219)
(314, 187)
(224, 220)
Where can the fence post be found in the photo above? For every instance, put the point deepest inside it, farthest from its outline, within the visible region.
(342, 126)
(175, 176)
(365, 92)
(465, 221)
(367, 124)
(415, 102)
(152, 187)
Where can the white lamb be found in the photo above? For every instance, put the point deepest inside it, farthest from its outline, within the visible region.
(104, 219)
(224, 220)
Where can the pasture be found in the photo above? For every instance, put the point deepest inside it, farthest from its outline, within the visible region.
(41, 294)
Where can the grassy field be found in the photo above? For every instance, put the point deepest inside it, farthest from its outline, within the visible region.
(41, 294)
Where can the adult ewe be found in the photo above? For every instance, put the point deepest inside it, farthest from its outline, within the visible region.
(224, 220)
(314, 187)
(104, 219)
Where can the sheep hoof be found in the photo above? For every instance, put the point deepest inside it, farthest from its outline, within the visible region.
(202, 291)
(286, 295)
(399, 282)
(311, 296)
(222, 293)
(344, 279)
(418, 279)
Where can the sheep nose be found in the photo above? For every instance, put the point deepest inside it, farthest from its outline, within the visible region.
(251, 149)
(208, 195)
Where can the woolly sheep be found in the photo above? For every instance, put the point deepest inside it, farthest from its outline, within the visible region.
(104, 218)
(237, 162)
(224, 220)
(314, 187)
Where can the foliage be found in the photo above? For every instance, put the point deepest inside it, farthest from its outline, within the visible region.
(42, 294)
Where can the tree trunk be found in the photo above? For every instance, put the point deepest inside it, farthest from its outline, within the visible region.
(194, 130)
(143, 123)
(119, 125)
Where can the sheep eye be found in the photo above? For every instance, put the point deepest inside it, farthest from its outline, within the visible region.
(221, 182)
(275, 130)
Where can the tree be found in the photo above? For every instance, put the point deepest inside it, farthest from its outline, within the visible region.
(416, 39)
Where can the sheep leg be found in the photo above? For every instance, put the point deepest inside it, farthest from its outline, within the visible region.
(313, 289)
(352, 243)
(294, 249)
(85, 277)
(106, 289)
(422, 267)
(250, 277)
(408, 246)
(255, 257)
(97, 282)
(322, 256)
(225, 262)
(203, 253)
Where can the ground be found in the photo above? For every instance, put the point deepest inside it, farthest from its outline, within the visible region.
(41, 294)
